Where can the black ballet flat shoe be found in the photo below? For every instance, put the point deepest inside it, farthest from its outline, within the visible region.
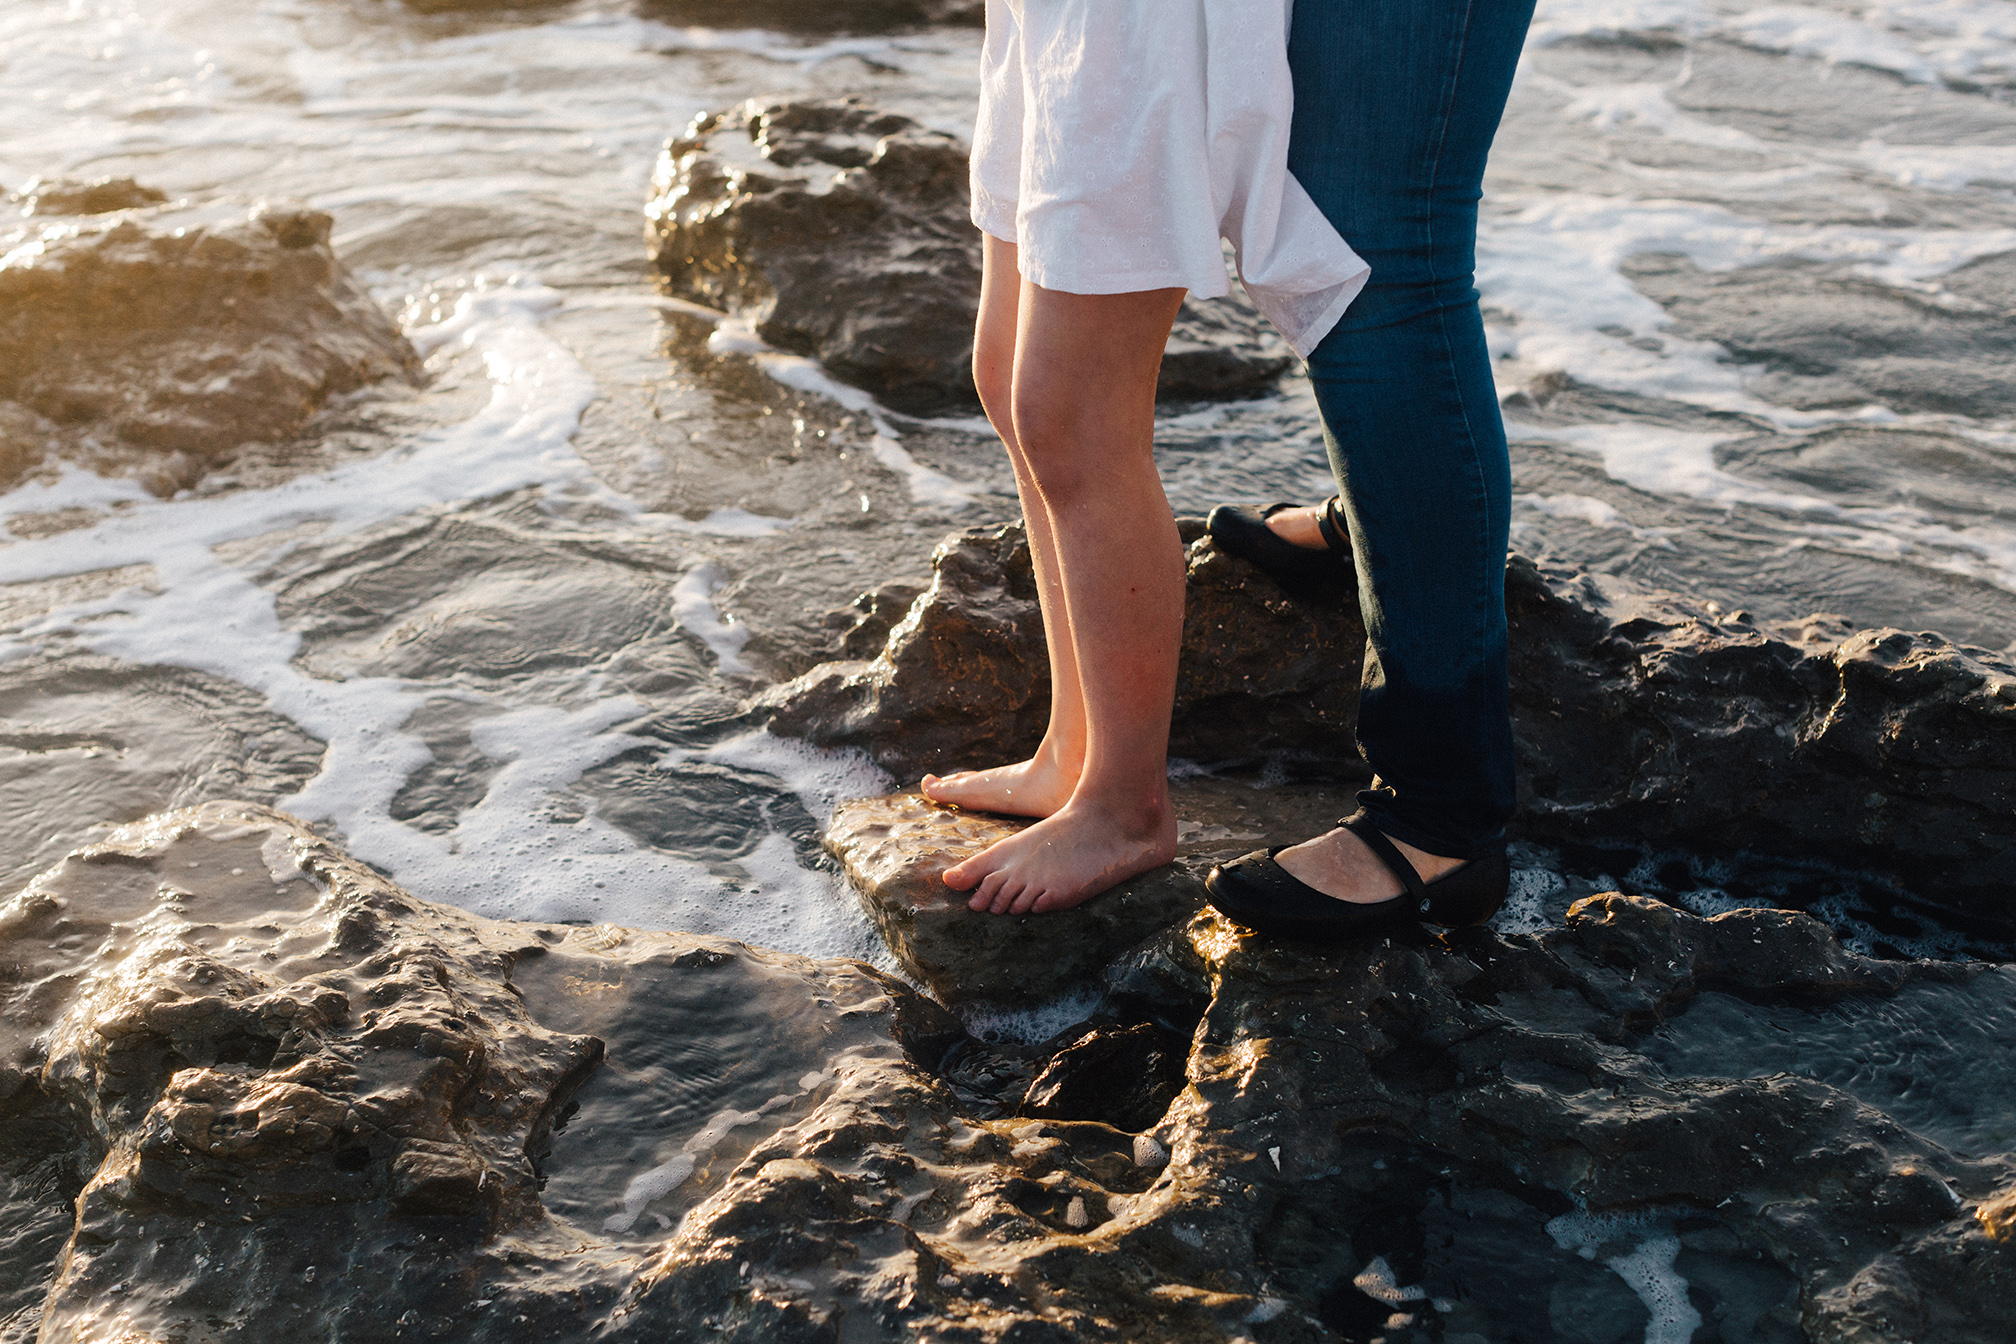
(1260, 894)
(1244, 533)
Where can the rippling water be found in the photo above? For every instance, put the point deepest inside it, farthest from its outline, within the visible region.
(1749, 273)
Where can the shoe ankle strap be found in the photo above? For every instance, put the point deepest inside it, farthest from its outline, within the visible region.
(1389, 854)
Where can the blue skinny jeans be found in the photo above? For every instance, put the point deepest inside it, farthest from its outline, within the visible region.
(1396, 102)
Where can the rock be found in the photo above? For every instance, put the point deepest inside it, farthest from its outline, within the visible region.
(1119, 1076)
(820, 16)
(964, 680)
(262, 1090)
(67, 196)
(278, 1076)
(153, 342)
(1649, 716)
(842, 232)
(895, 850)
(1640, 717)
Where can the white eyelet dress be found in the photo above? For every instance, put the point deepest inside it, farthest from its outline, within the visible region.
(1118, 140)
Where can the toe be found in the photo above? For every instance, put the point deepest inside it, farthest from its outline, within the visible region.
(984, 893)
(964, 876)
(1005, 894)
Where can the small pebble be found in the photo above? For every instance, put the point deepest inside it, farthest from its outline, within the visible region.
(1074, 1213)
(1149, 1154)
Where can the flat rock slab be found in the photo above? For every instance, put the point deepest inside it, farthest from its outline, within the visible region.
(895, 851)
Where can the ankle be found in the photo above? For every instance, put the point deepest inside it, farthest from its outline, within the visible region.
(1133, 812)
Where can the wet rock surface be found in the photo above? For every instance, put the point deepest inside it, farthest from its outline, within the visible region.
(841, 232)
(154, 340)
(896, 849)
(249, 1085)
(962, 679)
(1640, 715)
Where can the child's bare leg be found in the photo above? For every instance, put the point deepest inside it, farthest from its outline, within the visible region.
(1084, 421)
(1043, 783)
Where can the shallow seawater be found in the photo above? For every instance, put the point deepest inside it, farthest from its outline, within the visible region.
(1940, 1059)
(1748, 272)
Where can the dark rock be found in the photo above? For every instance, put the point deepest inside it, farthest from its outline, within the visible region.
(300, 1097)
(964, 679)
(819, 16)
(292, 1101)
(1670, 722)
(1119, 1076)
(155, 342)
(1641, 717)
(842, 232)
(66, 196)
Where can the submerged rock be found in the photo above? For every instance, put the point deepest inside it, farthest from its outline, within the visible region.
(246, 1084)
(154, 341)
(1641, 717)
(819, 16)
(68, 196)
(841, 232)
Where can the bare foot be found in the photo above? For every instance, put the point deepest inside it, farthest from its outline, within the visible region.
(1033, 788)
(1076, 853)
(1340, 865)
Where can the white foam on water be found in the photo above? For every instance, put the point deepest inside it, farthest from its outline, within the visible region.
(693, 607)
(505, 857)
(1378, 1281)
(1559, 20)
(1645, 107)
(1647, 1267)
(1679, 463)
(1942, 167)
(1822, 34)
(1586, 509)
(1525, 908)
(820, 778)
(1029, 1026)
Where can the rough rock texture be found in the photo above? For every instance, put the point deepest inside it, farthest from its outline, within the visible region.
(819, 16)
(251, 1089)
(1641, 716)
(842, 232)
(1652, 716)
(154, 341)
(963, 679)
(896, 849)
